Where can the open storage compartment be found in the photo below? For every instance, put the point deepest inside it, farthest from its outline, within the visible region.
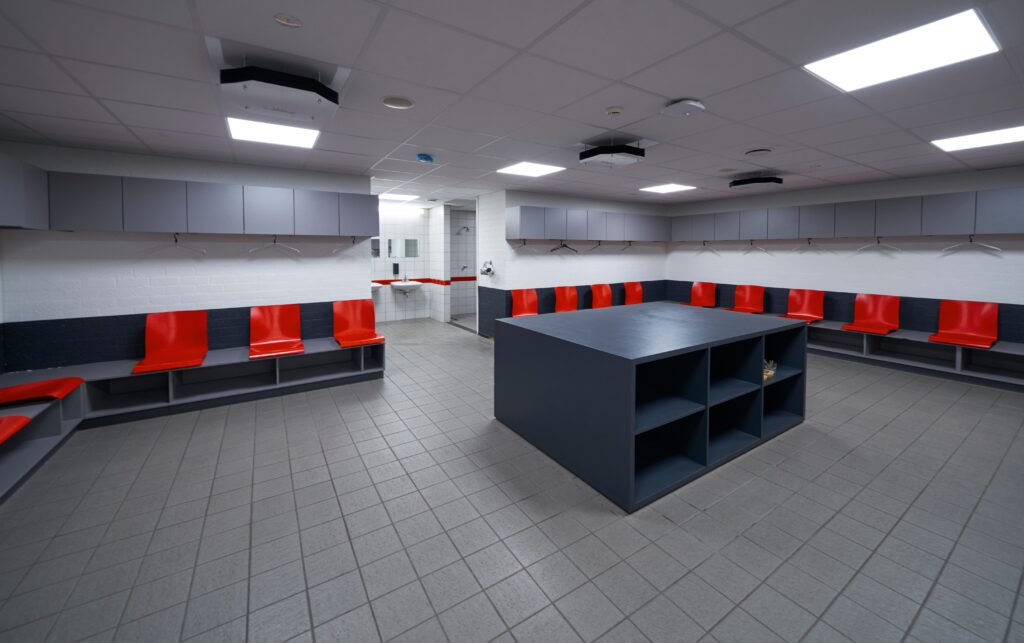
(735, 369)
(315, 367)
(670, 388)
(784, 405)
(912, 351)
(217, 381)
(373, 357)
(122, 394)
(733, 426)
(836, 340)
(1004, 361)
(669, 455)
(788, 350)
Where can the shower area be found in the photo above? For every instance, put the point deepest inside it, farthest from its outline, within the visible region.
(462, 268)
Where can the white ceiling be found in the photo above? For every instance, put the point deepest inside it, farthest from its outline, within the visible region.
(497, 82)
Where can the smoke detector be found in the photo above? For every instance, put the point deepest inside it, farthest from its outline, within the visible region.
(683, 107)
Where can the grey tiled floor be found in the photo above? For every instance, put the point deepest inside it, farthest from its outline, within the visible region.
(399, 509)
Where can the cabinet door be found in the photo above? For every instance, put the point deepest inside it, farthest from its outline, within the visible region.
(754, 224)
(85, 202)
(316, 213)
(269, 210)
(682, 228)
(855, 219)
(661, 228)
(898, 217)
(23, 193)
(214, 208)
(576, 224)
(636, 227)
(783, 223)
(704, 227)
(554, 223)
(597, 225)
(948, 213)
(154, 205)
(1000, 211)
(358, 215)
(616, 227)
(818, 221)
(727, 226)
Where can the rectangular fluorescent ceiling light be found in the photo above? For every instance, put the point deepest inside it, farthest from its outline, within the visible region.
(944, 42)
(398, 197)
(981, 139)
(530, 169)
(667, 188)
(244, 130)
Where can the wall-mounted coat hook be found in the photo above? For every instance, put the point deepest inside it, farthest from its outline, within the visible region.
(561, 244)
(971, 243)
(275, 244)
(877, 244)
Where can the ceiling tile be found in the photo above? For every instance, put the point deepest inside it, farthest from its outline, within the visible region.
(669, 128)
(441, 156)
(11, 130)
(135, 115)
(555, 131)
(857, 128)
(800, 158)
(614, 39)
(452, 139)
(326, 159)
(713, 66)
(411, 168)
(849, 174)
(981, 74)
(33, 101)
(332, 30)
(26, 69)
(768, 95)
(732, 140)
(133, 86)
(172, 13)
(11, 37)
(67, 129)
(991, 100)
(263, 154)
(636, 105)
(182, 143)
(902, 152)
(515, 23)
(460, 173)
(357, 145)
(486, 117)
(414, 49)
(829, 111)
(381, 126)
(733, 12)
(516, 150)
(973, 125)
(534, 83)
(74, 32)
(869, 143)
(364, 91)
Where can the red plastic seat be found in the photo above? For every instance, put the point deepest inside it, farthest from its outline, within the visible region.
(967, 323)
(174, 340)
(748, 299)
(566, 299)
(876, 314)
(354, 323)
(57, 389)
(600, 296)
(11, 424)
(702, 294)
(805, 305)
(274, 331)
(634, 292)
(524, 302)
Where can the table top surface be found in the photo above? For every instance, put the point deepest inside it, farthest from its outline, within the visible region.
(646, 331)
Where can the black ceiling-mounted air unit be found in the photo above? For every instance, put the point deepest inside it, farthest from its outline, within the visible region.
(754, 180)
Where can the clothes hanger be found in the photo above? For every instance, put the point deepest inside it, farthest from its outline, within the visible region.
(275, 244)
(595, 247)
(752, 247)
(337, 250)
(629, 244)
(810, 245)
(971, 243)
(877, 244)
(704, 246)
(177, 244)
(561, 244)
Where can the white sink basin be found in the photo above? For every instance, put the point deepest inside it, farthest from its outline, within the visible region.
(374, 286)
(406, 286)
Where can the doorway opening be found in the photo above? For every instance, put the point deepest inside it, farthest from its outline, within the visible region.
(462, 268)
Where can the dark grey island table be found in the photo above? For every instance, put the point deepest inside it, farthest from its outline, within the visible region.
(639, 400)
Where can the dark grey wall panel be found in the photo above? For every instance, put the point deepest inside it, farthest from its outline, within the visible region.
(855, 219)
(703, 227)
(682, 228)
(154, 205)
(783, 223)
(948, 213)
(754, 224)
(85, 202)
(818, 221)
(554, 223)
(316, 212)
(1000, 211)
(597, 225)
(616, 222)
(358, 214)
(576, 224)
(727, 226)
(898, 217)
(269, 210)
(214, 208)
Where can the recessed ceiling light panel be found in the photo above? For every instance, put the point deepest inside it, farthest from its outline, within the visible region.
(245, 130)
(398, 197)
(530, 169)
(959, 37)
(667, 188)
(981, 139)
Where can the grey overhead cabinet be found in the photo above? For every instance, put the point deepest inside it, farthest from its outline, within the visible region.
(358, 214)
(704, 227)
(1000, 212)
(576, 224)
(215, 208)
(24, 202)
(682, 228)
(268, 210)
(645, 227)
(818, 221)
(754, 224)
(948, 213)
(554, 223)
(316, 213)
(898, 217)
(597, 225)
(855, 219)
(727, 226)
(524, 222)
(616, 230)
(784, 223)
(87, 202)
(154, 205)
